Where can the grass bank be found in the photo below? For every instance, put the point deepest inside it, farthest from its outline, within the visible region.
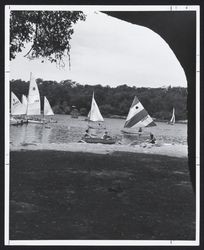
(74, 195)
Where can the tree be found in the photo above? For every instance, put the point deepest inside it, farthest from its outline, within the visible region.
(83, 111)
(111, 101)
(106, 109)
(49, 33)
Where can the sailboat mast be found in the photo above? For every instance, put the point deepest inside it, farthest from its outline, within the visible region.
(44, 110)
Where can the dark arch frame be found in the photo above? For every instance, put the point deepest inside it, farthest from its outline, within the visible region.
(178, 29)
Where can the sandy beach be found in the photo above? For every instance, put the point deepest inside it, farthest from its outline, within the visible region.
(174, 150)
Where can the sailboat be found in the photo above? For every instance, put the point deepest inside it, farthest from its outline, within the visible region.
(137, 119)
(96, 121)
(18, 110)
(172, 121)
(48, 110)
(34, 104)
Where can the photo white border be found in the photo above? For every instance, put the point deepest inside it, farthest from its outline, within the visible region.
(7, 241)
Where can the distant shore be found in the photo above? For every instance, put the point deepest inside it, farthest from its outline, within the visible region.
(155, 119)
(175, 150)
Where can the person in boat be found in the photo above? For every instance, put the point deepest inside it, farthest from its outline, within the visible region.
(52, 120)
(152, 139)
(106, 136)
(87, 135)
(140, 131)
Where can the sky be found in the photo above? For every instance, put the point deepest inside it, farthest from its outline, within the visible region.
(109, 51)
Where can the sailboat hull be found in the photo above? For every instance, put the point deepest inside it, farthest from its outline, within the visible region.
(136, 136)
(99, 140)
(18, 122)
(130, 132)
(15, 123)
(36, 121)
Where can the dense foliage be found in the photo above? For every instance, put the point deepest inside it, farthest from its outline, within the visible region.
(111, 101)
(49, 33)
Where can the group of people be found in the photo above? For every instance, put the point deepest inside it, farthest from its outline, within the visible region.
(89, 135)
(106, 136)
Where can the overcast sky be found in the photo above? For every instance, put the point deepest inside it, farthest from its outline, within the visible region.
(109, 51)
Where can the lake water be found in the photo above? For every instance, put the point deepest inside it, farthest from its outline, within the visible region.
(69, 129)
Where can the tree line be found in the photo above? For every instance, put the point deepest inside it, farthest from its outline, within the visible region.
(112, 101)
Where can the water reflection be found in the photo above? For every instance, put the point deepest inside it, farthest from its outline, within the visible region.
(46, 133)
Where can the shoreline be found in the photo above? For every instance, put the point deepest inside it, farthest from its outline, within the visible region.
(174, 150)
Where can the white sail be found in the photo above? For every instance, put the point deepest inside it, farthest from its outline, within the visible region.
(17, 108)
(24, 103)
(47, 108)
(95, 114)
(138, 116)
(89, 114)
(24, 100)
(33, 107)
(172, 121)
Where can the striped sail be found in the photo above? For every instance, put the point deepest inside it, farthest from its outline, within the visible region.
(138, 116)
(33, 107)
(95, 114)
(47, 107)
(17, 108)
